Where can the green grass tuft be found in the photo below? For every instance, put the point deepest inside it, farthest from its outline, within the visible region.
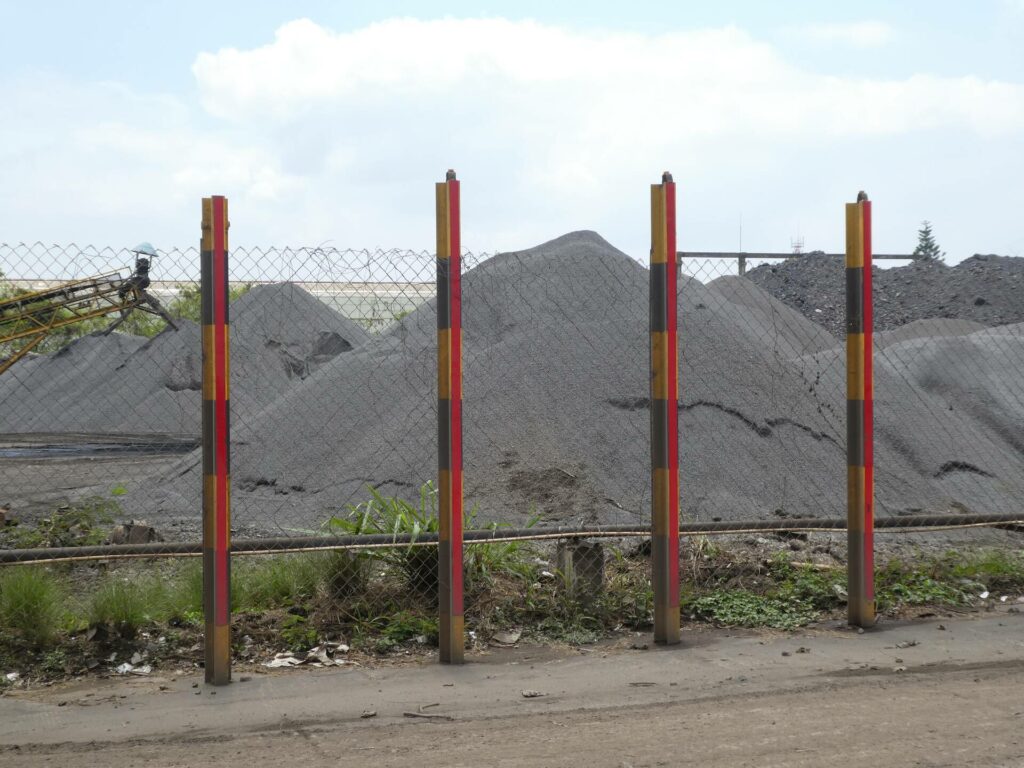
(31, 604)
(127, 606)
(275, 582)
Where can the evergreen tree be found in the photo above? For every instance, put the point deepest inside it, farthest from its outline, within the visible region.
(927, 249)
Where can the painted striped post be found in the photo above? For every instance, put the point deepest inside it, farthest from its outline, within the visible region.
(449, 419)
(859, 416)
(216, 441)
(664, 413)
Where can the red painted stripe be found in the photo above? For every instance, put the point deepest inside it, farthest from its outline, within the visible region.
(671, 322)
(220, 435)
(455, 335)
(869, 408)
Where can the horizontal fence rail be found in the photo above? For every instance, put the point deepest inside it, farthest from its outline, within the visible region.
(313, 543)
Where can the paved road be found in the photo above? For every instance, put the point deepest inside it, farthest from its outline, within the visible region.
(904, 695)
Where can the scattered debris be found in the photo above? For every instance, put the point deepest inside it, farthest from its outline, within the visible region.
(507, 638)
(12, 677)
(323, 655)
(368, 713)
(533, 694)
(135, 532)
(284, 660)
(906, 644)
(427, 716)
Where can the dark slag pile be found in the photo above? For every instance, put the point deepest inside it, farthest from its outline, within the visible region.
(556, 408)
(120, 384)
(984, 289)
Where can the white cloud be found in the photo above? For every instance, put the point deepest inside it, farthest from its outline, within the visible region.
(338, 135)
(535, 77)
(859, 34)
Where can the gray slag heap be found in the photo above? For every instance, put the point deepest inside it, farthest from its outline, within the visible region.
(556, 409)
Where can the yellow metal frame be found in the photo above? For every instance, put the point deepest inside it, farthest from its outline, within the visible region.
(46, 311)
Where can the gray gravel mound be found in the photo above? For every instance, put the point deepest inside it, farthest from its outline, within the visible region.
(556, 403)
(120, 384)
(984, 289)
(556, 406)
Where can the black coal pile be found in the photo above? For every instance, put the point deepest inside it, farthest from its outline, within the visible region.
(984, 289)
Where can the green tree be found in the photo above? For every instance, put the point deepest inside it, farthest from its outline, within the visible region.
(927, 249)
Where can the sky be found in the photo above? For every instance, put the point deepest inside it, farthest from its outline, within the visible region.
(329, 122)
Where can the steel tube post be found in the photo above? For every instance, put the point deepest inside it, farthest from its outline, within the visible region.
(859, 416)
(664, 413)
(449, 420)
(216, 441)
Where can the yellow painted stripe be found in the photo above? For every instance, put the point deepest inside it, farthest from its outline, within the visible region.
(207, 238)
(659, 365)
(444, 368)
(854, 235)
(855, 499)
(227, 224)
(227, 362)
(209, 504)
(862, 612)
(855, 366)
(659, 254)
(444, 248)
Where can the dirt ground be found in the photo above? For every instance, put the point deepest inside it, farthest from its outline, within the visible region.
(945, 692)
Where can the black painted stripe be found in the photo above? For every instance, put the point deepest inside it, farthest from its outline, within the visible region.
(657, 298)
(208, 448)
(855, 433)
(444, 319)
(659, 434)
(227, 437)
(855, 300)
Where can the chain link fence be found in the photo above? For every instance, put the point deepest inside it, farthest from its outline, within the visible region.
(334, 433)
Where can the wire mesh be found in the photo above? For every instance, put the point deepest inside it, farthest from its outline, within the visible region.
(334, 419)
